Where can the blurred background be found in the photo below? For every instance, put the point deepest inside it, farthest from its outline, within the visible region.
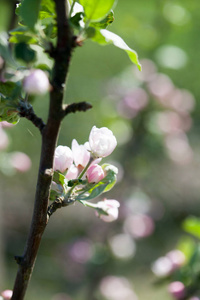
(155, 117)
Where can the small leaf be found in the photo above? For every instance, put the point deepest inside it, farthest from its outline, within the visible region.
(92, 190)
(21, 38)
(48, 6)
(10, 89)
(29, 12)
(96, 10)
(103, 24)
(24, 52)
(117, 41)
(53, 195)
(76, 19)
(59, 178)
(192, 226)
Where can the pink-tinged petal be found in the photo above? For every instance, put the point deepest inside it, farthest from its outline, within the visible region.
(110, 206)
(72, 173)
(63, 158)
(80, 153)
(36, 83)
(7, 294)
(102, 141)
(95, 173)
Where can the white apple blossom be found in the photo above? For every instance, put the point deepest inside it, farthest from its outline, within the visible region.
(110, 206)
(102, 142)
(63, 158)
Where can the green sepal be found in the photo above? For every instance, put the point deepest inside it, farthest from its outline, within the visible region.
(59, 178)
(53, 195)
(103, 24)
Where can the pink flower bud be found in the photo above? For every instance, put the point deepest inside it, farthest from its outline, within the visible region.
(102, 141)
(80, 153)
(63, 158)
(36, 83)
(177, 290)
(20, 161)
(109, 206)
(7, 294)
(95, 173)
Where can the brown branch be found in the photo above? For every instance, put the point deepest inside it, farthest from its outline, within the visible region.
(58, 203)
(74, 107)
(49, 140)
(26, 111)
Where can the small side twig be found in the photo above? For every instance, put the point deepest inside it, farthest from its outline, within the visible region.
(26, 110)
(74, 107)
(58, 203)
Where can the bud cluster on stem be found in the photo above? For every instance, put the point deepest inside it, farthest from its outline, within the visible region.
(82, 176)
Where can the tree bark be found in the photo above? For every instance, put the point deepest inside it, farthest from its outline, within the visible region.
(62, 55)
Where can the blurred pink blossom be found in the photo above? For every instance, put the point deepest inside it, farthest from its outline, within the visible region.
(81, 250)
(181, 100)
(102, 141)
(148, 70)
(177, 258)
(36, 82)
(94, 173)
(20, 161)
(61, 296)
(111, 207)
(171, 122)
(178, 148)
(63, 158)
(117, 288)
(161, 86)
(177, 290)
(139, 225)
(133, 102)
(7, 294)
(162, 267)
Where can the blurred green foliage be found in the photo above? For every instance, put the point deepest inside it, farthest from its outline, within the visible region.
(154, 184)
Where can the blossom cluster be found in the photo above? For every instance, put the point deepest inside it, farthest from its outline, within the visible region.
(83, 174)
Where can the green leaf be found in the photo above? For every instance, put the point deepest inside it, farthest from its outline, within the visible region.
(53, 195)
(25, 53)
(5, 50)
(59, 178)
(76, 19)
(104, 37)
(48, 6)
(103, 24)
(96, 10)
(29, 12)
(92, 190)
(22, 38)
(192, 226)
(10, 89)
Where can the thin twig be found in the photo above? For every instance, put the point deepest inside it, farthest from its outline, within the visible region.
(74, 107)
(26, 111)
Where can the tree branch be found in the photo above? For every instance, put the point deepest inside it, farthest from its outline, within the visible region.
(49, 139)
(26, 111)
(74, 107)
